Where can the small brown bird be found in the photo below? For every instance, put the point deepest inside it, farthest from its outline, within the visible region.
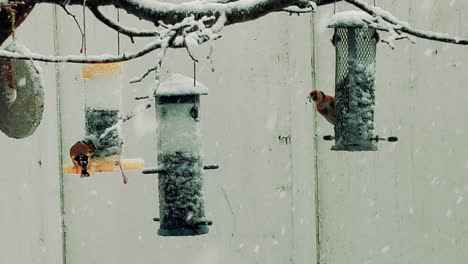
(80, 153)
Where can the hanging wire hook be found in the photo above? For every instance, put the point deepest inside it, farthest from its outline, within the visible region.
(194, 73)
(84, 27)
(334, 7)
(118, 33)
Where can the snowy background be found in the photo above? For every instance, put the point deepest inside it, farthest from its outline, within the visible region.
(402, 204)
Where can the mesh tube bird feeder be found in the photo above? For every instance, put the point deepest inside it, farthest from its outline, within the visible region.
(355, 45)
(179, 151)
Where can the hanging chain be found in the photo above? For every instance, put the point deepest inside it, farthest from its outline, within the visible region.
(334, 7)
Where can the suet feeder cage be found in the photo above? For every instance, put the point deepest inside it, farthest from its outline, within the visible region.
(103, 98)
(179, 155)
(355, 46)
(21, 95)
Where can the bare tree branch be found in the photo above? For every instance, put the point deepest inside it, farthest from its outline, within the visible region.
(77, 24)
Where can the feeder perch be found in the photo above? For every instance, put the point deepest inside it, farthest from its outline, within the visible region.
(355, 45)
(180, 166)
(103, 102)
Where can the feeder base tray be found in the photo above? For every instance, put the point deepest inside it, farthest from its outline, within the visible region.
(184, 231)
(354, 147)
(107, 164)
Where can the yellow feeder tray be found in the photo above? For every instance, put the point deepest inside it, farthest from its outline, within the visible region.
(108, 164)
(90, 71)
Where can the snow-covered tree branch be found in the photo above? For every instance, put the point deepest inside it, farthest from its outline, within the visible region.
(388, 22)
(198, 21)
(131, 32)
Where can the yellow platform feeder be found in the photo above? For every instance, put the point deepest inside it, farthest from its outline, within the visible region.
(108, 164)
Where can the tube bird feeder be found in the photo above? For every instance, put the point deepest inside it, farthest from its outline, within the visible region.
(355, 46)
(103, 97)
(179, 155)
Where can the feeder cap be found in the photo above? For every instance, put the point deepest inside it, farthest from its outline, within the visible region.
(350, 19)
(180, 85)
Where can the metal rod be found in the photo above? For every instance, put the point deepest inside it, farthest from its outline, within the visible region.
(193, 222)
(161, 170)
(211, 167)
(201, 222)
(376, 138)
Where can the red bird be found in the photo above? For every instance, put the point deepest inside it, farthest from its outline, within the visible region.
(325, 105)
(80, 153)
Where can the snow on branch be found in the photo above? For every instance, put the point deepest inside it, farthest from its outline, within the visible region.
(170, 13)
(168, 38)
(297, 10)
(192, 36)
(231, 11)
(402, 29)
(106, 58)
(130, 32)
(238, 11)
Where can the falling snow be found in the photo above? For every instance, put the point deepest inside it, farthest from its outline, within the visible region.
(256, 249)
(22, 82)
(449, 212)
(385, 249)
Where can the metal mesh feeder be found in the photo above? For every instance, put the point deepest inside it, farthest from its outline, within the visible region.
(355, 45)
(180, 166)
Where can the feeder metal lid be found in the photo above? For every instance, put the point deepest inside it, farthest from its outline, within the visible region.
(350, 19)
(180, 85)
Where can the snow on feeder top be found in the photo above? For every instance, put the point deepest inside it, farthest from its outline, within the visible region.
(180, 85)
(180, 166)
(355, 44)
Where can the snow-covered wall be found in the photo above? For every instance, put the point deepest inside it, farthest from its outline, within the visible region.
(402, 204)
